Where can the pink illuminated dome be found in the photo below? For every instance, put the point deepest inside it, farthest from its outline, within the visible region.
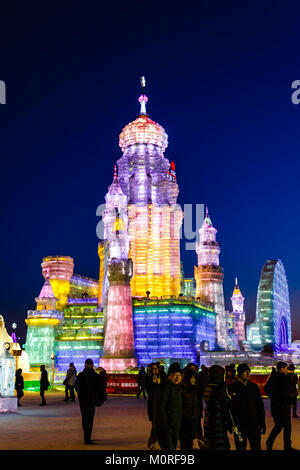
(143, 130)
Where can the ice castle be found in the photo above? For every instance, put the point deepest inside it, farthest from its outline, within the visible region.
(141, 309)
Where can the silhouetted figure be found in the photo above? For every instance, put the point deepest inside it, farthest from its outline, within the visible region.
(153, 379)
(293, 380)
(277, 388)
(69, 382)
(44, 384)
(103, 375)
(168, 409)
(142, 382)
(19, 385)
(217, 419)
(247, 409)
(190, 409)
(202, 382)
(90, 388)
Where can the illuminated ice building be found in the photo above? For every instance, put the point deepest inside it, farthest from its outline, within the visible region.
(141, 308)
(272, 327)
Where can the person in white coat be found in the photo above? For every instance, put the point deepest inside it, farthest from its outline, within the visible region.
(69, 382)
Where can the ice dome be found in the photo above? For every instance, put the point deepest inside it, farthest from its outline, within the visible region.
(143, 130)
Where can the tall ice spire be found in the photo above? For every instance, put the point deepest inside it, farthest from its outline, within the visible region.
(209, 276)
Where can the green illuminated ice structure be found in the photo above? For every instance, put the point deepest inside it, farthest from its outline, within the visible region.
(272, 327)
(42, 327)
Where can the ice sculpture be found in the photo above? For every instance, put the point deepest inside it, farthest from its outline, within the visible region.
(8, 401)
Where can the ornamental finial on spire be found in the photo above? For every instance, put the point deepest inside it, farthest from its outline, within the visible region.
(143, 98)
(115, 172)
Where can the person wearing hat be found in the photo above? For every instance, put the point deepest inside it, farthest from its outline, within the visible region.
(168, 409)
(247, 409)
(277, 388)
(293, 388)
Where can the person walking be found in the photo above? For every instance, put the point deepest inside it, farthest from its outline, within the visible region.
(168, 409)
(190, 409)
(153, 379)
(217, 419)
(69, 382)
(19, 385)
(277, 388)
(293, 379)
(90, 388)
(247, 409)
(44, 384)
(142, 382)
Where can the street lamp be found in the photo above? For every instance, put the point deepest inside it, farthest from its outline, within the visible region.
(52, 380)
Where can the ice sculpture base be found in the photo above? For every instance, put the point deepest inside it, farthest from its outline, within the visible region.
(117, 364)
(8, 404)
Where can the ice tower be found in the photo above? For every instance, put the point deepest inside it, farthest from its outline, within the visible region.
(209, 277)
(42, 324)
(238, 310)
(236, 320)
(149, 183)
(118, 351)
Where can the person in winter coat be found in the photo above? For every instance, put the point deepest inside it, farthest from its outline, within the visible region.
(247, 410)
(69, 382)
(293, 379)
(142, 382)
(190, 409)
(44, 384)
(168, 409)
(19, 385)
(153, 379)
(90, 388)
(217, 418)
(277, 388)
(200, 385)
(103, 376)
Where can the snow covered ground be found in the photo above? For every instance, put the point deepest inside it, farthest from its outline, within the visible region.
(121, 423)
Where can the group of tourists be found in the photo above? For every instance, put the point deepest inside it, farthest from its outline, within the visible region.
(233, 404)
(189, 404)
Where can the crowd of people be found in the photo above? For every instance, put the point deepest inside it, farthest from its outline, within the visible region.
(188, 405)
(205, 405)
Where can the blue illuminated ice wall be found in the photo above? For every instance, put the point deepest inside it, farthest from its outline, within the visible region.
(172, 330)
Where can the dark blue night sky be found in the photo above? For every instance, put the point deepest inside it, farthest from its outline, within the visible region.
(219, 78)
